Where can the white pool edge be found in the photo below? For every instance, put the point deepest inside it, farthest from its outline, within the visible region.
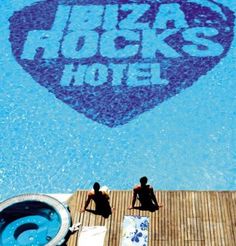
(61, 197)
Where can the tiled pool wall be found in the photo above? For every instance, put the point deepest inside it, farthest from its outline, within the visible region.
(115, 108)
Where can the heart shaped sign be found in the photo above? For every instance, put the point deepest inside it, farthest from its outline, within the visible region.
(113, 60)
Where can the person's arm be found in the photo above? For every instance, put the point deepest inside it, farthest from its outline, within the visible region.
(153, 197)
(134, 198)
(87, 202)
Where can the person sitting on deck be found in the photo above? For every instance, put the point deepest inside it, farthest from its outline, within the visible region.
(145, 195)
(101, 199)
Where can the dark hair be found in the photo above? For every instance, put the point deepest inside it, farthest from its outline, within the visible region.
(143, 180)
(96, 186)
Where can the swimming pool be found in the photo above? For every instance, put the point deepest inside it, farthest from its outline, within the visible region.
(56, 138)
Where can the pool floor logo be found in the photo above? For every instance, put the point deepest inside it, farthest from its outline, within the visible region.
(113, 60)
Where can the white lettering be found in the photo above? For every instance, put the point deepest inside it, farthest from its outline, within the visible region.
(48, 40)
(131, 21)
(117, 44)
(168, 13)
(202, 46)
(153, 42)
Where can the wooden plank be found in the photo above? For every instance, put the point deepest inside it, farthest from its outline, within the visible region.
(183, 218)
(231, 205)
(206, 219)
(173, 226)
(199, 215)
(214, 219)
(188, 234)
(177, 212)
(222, 216)
(119, 214)
(165, 218)
(158, 221)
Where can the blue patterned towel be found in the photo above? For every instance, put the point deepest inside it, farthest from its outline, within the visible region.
(135, 231)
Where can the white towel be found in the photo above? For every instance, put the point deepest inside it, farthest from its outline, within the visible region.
(92, 235)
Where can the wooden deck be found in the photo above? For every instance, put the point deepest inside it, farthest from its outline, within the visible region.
(193, 218)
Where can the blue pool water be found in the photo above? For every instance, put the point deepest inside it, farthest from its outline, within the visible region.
(58, 134)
